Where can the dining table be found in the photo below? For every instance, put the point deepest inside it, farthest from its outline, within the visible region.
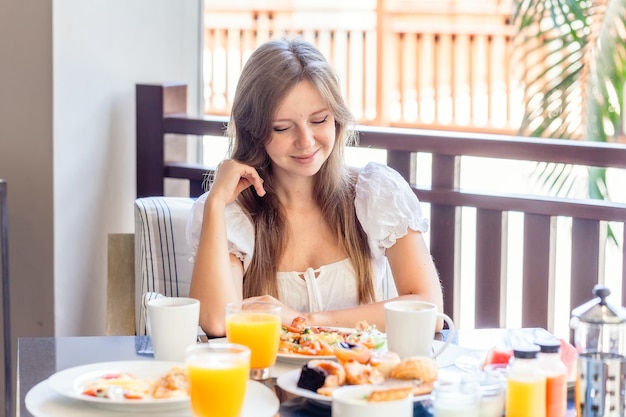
(40, 358)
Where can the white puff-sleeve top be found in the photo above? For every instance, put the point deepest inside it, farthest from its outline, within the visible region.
(386, 207)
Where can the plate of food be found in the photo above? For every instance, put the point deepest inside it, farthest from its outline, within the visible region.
(125, 385)
(318, 378)
(300, 342)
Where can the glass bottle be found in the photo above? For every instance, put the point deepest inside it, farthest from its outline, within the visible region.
(555, 371)
(491, 394)
(456, 399)
(490, 387)
(525, 385)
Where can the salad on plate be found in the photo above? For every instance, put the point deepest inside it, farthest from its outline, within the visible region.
(299, 338)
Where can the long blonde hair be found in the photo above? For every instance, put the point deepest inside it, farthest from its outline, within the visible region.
(269, 74)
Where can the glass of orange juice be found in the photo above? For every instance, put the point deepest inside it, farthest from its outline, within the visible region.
(257, 325)
(218, 375)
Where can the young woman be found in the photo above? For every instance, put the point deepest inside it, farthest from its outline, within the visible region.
(287, 221)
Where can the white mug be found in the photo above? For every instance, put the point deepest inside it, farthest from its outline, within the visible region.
(351, 401)
(172, 325)
(410, 328)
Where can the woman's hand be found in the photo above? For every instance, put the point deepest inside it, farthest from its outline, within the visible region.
(231, 178)
(287, 314)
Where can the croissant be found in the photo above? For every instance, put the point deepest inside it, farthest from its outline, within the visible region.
(423, 368)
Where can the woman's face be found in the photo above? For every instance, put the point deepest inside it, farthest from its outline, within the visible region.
(303, 132)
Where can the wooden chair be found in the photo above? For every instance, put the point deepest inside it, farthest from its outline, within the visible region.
(162, 254)
(120, 306)
(154, 260)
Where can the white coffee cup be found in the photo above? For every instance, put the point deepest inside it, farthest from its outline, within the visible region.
(410, 327)
(351, 401)
(172, 325)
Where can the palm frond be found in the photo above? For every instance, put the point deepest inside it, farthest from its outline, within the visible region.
(551, 42)
(573, 55)
(607, 76)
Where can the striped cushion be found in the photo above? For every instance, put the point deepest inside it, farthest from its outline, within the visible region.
(162, 253)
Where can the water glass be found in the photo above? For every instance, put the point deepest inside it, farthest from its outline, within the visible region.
(492, 386)
(255, 325)
(456, 399)
(218, 375)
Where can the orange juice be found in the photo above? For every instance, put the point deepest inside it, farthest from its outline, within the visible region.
(217, 392)
(556, 372)
(257, 330)
(556, 396)
(525, 385)
(525, 398)
(218, 377)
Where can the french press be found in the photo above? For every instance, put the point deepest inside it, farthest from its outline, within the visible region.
(599, 336)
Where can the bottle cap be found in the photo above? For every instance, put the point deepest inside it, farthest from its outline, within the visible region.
(552, 345)
(525, 352)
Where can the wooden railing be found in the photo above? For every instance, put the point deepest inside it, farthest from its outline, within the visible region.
(160, 111)
(440, 65)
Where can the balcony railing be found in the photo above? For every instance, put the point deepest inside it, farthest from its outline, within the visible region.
(442, 64)
(548, 227)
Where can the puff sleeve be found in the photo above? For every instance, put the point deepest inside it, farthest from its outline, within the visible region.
(239, 230)
(386, 206)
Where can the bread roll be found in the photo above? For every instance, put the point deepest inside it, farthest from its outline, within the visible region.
(423, 368)
(385, 362)
(358, 374)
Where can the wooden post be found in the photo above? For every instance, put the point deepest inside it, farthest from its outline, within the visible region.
(382, 101)
(445, 230)
(152, 102)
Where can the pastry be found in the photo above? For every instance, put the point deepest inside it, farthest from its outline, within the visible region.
(385, 362)
(422, 388)
(423, 368)
(173, 384)
(358, 374)
(390, 394)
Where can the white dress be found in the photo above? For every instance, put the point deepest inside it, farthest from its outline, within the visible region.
(386, 207)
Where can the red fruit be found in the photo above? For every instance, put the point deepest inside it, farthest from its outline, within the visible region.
(568, 356)
(498, 356)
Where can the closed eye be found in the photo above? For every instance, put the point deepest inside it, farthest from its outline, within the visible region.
(319, 122)
(280, 129)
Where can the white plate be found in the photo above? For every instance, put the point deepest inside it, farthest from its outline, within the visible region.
(471, 362)
(42, 401)
(289, 383)
(298, 359)
(69, 383)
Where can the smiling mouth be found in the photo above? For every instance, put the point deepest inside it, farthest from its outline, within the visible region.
(304, 157)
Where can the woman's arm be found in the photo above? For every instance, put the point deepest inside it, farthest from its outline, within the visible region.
(414, 271)
(217, 276)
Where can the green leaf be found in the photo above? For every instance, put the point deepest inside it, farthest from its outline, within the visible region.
(578, 92)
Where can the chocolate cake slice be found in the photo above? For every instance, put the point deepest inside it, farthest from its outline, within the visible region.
(311, 377)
